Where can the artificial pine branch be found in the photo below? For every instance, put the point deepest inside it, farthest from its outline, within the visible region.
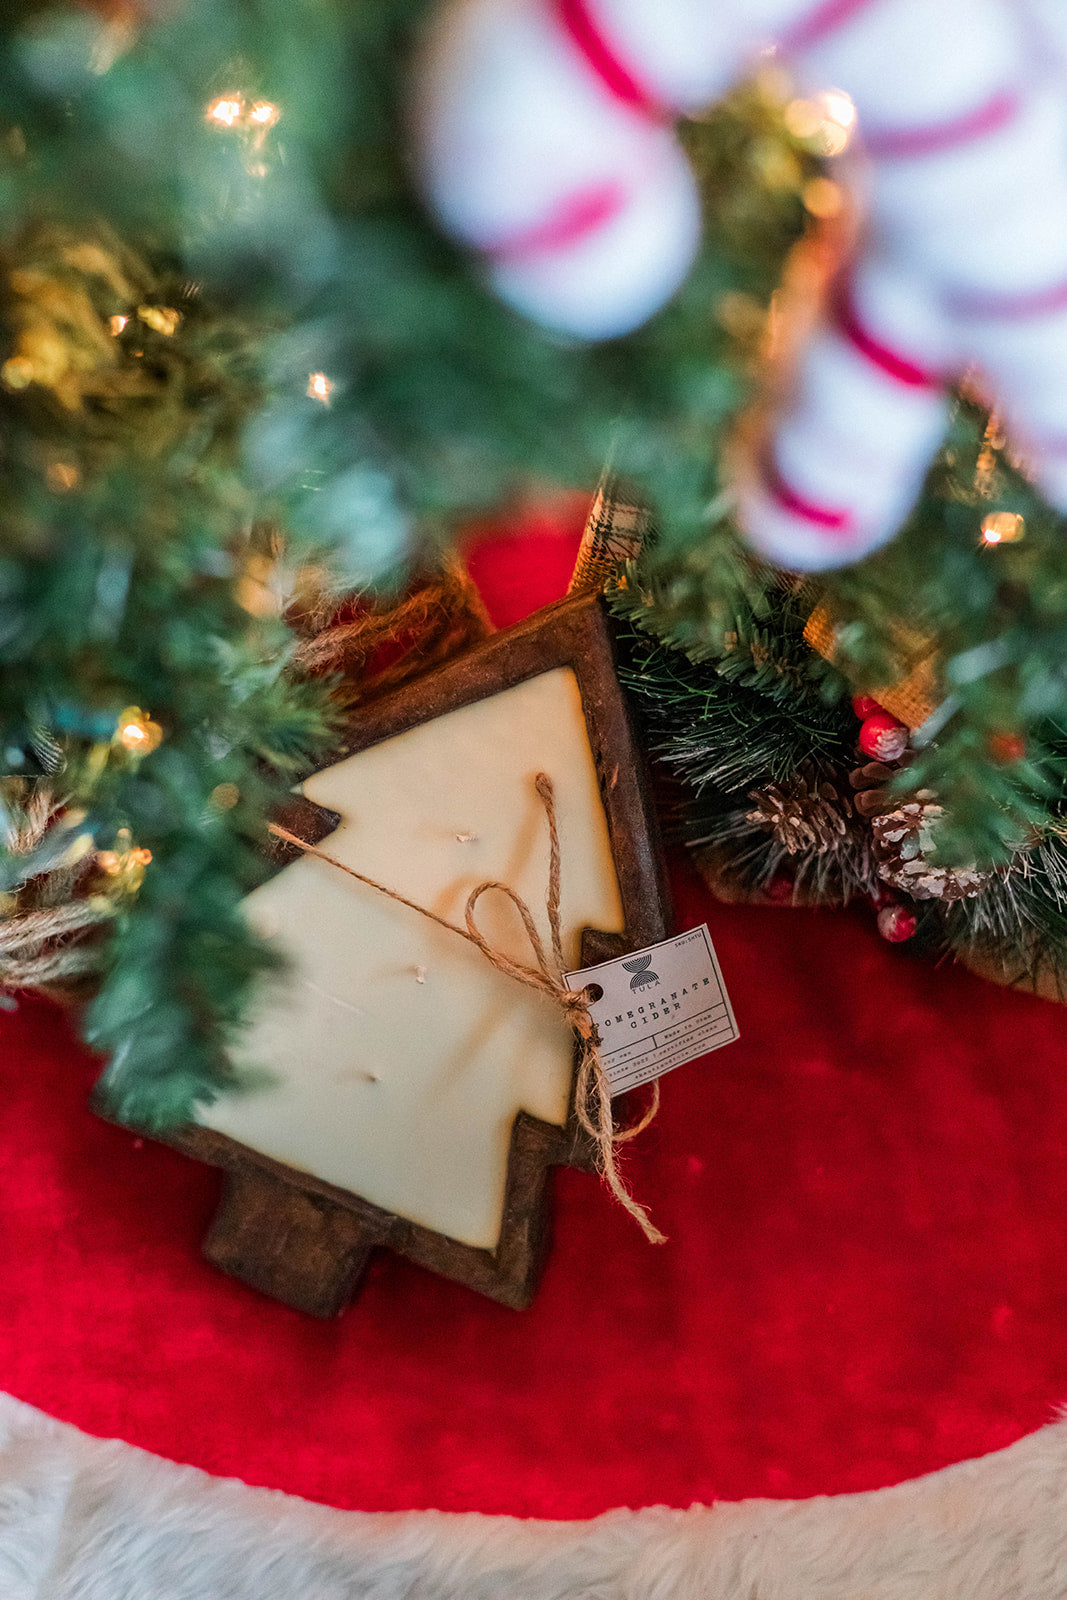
(122, 566)
(760, 729)
(753, 713)
(173, 283)
(757, 743)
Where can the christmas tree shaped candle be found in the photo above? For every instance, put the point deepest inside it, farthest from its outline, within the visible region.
(414, 1087)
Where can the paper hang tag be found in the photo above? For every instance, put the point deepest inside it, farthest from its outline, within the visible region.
(661, 1007)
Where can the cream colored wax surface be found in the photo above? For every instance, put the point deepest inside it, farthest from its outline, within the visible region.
(399, 1056)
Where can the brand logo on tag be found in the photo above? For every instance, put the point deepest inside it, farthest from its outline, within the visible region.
(641, 976)
(643, 1035)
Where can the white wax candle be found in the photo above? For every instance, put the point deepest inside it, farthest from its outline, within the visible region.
(399, 1056)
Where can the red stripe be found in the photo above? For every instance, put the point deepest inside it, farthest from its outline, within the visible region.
(583, 30)
(907, 144)
(574, 219)
(789, 500)
(821, 22)
(1010, 308)
(879, 355)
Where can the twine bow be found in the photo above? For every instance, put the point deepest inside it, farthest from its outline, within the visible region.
(592, 1095)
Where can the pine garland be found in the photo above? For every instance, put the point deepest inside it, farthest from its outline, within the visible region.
(231, 340)
(761, 755)
(124, 583)
(223, 314)
(755, 714)
(997, 614)
(441, 401)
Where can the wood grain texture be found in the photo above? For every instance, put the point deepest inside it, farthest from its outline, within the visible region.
(305, 1242)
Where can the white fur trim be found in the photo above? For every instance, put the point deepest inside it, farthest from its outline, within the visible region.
(84, 1519)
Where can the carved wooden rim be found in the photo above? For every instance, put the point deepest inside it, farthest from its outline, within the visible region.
(303, 1240)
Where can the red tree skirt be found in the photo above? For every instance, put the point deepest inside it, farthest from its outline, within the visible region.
(867, 1207)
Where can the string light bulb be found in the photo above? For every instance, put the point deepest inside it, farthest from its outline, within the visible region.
(823, 198)
(252, 121)
(1003, 527)
(17, 373)
(225, 796)
(225, 112)
(62, 477)
(234, 111)
(319, 387)
(162, 319)
(826, 121)
(839, 107)
(126, 863)
(137, 732)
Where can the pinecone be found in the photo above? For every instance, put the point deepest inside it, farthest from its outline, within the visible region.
(870, 783)
(806, 813)
(903, 843)
(51, 923)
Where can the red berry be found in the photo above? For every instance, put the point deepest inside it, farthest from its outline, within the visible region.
(883, 737)
(897, 923)
(863, 705)
(1007, 747)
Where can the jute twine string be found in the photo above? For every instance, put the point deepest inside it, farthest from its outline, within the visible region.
(592, 1099)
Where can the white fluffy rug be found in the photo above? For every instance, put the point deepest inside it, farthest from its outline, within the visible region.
(81, 1519)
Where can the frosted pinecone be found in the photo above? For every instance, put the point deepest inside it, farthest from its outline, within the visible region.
(903, 844)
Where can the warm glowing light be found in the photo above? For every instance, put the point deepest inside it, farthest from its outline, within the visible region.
(225, 112)
(823, 198)
(17, 373)
(137, 732)
(62, 477)
(234, 111)
(116, 324)
(833, 141)
(826, 121)
(126, 862)
(252, 121)
(802, 119)
(319, 387)
(225, 796)
(163, 319)
(1003, 527)
(839, 107)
